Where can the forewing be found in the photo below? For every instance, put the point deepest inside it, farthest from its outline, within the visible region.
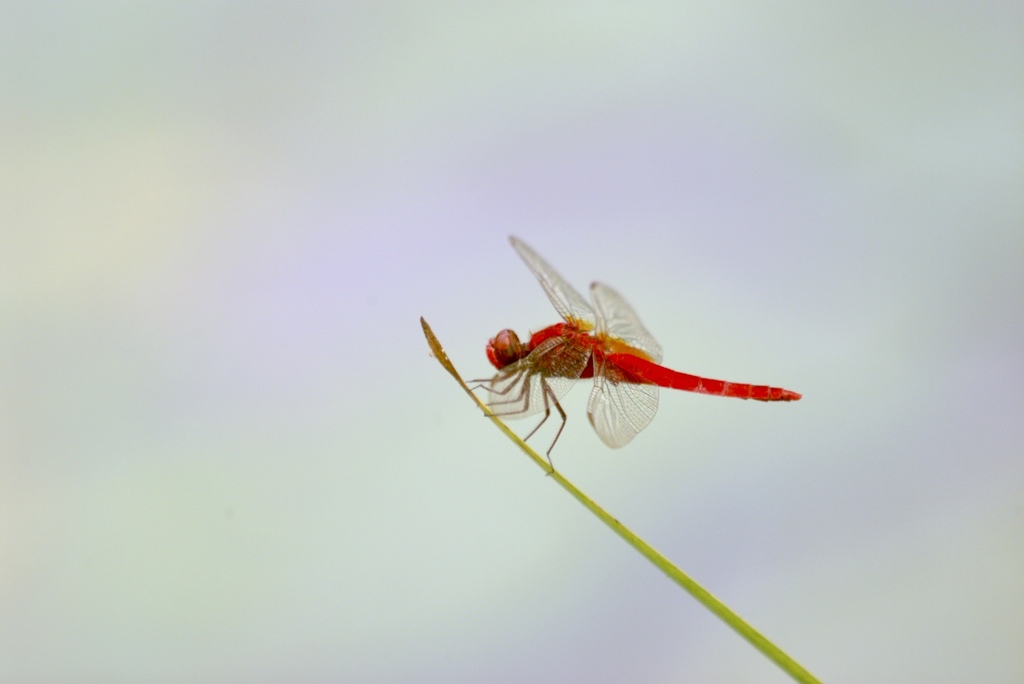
(620, 410)
(569, 303)
(517, 391)
(616, 317)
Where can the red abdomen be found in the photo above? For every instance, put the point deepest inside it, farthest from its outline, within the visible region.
(639, 370)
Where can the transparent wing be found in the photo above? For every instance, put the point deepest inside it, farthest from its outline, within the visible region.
(616, 317)
(619, 410)
(569, 303)
(518, 390)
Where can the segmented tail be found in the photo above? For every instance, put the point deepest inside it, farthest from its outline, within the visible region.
(643, 371)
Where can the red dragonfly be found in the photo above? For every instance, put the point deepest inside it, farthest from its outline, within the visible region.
(606, 342)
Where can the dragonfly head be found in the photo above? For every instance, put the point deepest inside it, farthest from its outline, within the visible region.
(504, 349)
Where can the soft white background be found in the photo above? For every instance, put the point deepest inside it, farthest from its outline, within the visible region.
(225, 454)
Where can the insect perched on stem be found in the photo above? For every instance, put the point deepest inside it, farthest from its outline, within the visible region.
(606, 342)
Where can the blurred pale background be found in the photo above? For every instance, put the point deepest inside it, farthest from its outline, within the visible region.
(225, 454)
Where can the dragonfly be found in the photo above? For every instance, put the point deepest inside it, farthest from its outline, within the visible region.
(604, 340)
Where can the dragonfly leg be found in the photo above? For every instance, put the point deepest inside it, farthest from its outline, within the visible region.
(475, 385)
(557, 434)
(518, 403)
(549, 399)
(487, 384)
(521, 399)
(547, 413)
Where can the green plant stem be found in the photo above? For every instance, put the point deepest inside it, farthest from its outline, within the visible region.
(706, 598)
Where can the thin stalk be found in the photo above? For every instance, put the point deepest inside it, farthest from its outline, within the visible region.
(706, 598)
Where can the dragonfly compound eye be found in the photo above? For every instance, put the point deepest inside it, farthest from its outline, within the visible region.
(504, 349)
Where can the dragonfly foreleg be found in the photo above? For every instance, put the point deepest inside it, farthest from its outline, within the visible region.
(520, 403)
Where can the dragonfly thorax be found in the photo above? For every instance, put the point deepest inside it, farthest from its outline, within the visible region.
(504, 349)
